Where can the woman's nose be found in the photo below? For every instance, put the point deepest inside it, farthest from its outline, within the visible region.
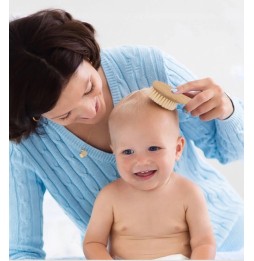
(87, 108)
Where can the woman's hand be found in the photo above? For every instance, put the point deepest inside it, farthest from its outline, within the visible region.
(208, 102)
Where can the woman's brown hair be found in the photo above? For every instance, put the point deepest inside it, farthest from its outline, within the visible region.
(45, 50)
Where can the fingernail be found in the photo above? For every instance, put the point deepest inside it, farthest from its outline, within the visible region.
(174, 90)
(184, 108)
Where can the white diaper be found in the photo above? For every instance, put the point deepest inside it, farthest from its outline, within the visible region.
(173, 257)
(170, 257)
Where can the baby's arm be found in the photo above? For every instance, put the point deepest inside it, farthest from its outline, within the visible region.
(98, 230)
(201, 234)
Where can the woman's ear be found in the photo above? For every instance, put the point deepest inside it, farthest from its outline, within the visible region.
(179, 147)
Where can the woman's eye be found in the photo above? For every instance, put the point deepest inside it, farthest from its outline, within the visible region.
(128, 152)
(89, 89)
(153, 148)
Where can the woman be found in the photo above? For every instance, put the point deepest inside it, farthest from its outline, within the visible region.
(62, 89)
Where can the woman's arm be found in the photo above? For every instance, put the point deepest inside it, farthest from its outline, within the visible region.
(98, 230)
(220, 137)
(25, 204)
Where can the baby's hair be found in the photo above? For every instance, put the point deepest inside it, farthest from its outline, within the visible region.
(136, 101)
(134, 104)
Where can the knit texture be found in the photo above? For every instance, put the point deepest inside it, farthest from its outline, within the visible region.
(51, 160)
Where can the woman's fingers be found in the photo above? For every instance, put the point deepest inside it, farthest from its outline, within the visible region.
(200, 99)
(208, 99)
(197, 85)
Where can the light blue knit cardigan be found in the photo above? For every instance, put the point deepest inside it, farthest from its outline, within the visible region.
(51, 161)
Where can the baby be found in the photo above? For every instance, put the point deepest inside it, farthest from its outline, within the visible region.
(151, 212)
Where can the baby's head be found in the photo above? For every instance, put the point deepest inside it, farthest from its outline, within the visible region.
(137, 112)
(144, 137)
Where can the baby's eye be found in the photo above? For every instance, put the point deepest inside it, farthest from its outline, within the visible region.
(153, 148)
(128, 152)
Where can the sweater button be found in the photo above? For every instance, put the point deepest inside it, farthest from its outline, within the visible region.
(83, 153)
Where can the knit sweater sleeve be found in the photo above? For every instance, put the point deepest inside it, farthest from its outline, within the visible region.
(26, 196)
(218, 139)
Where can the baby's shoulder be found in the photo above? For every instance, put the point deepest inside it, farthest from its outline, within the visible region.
(185, 184)
(190, 192)
(110, 188)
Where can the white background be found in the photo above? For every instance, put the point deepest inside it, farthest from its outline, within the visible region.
(204, 35)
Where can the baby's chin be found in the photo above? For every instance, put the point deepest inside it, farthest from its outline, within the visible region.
(147, 187)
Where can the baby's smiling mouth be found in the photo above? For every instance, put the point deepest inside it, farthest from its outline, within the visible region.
(144, 174)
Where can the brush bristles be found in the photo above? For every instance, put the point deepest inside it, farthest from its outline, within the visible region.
(161, 100)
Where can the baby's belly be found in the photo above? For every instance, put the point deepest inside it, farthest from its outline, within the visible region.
(149, 247)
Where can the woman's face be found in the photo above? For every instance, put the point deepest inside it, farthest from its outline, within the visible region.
(82, 100)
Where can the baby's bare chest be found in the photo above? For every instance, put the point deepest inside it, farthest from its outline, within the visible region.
(150, 217)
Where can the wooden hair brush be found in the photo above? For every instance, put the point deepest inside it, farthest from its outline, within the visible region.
(162, 95)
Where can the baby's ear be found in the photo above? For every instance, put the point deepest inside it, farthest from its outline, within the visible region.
(179, 147)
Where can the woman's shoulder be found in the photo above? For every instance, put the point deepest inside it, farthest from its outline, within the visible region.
(18, 147)
(134, 61)
(19, 152)
(149, 58)
(34, 140)
(131, 51)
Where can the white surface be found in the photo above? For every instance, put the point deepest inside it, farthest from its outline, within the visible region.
(205, 35)
(61, 237)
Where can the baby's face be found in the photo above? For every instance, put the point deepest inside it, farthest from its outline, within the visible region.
(146, 148)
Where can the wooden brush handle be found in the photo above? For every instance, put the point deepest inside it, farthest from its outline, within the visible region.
(165, 90)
